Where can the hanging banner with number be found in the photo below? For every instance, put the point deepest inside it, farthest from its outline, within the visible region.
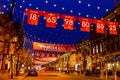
(100, 25)
(68, 22)
(85, 24)
(51, 19)
(112, 27)
(33, 16)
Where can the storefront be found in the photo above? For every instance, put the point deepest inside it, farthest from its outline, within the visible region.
(112, 64)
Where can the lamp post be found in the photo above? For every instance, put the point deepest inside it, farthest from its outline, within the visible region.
(11, 52)
(11, 66)
(17, 65)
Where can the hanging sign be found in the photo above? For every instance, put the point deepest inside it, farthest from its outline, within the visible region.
(43, 55)
(51, 19)
(58, 55)
(68, 21)
(100, 25)
(37, 54)
(85, 24)
(112, 27)
(51, 47)
(48, 55)
(33, 16)
(53, 55)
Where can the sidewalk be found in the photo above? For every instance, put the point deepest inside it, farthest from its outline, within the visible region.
(5, 76)
(92, 77)
(20, 77)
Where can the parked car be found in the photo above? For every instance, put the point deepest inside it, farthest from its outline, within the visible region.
(32, 72)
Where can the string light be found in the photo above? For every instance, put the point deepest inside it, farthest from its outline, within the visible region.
(54, 5)
(89, 5)
(79, 13)
(63, 8)
(71, 11)
(80, 8)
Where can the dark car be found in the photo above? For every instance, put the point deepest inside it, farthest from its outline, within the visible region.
(32, 72)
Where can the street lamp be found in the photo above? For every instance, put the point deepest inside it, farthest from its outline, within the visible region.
(11, 52)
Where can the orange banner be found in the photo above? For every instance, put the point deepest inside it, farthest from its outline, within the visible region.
(52, 47)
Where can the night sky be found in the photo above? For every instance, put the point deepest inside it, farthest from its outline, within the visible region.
(94, 9)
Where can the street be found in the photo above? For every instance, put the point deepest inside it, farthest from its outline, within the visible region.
(3, 75)
(51, 76)
(59, 76)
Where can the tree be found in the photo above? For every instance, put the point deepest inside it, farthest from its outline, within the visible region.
(25, 58)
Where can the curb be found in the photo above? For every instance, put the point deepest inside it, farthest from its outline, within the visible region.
(22, 77)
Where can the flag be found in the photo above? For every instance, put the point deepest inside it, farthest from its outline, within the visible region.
(85, 24)
(58, 55)
(37, 54)
(53, 55)
(43, 55)
(48, 55)
(33, 16)
(100, 25)
(51, 19)
(68, 22)
(112, 27)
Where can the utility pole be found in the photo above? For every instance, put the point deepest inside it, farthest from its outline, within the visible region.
(11, 12)
(11, 66)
